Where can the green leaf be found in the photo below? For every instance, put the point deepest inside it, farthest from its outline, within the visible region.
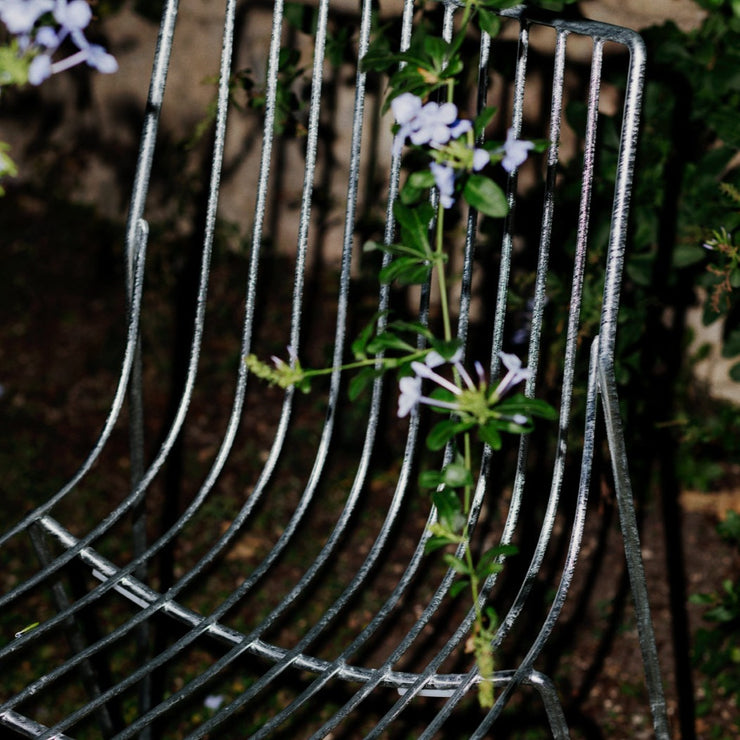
(483, 570)
(410, 195)
(449, 509)
(487, 564)
(458, 565)
(735, 372)
(414, 223)
(701, 599)
(415, 327)
(423, 179)
(685, 255)
(388, 340)
(440, 434)
(520, 404)
(486, 196)
(458, 587)
(436, 543)
(731, 344)
(489, 434)
(729, 529)
(301, 17)
(639, 268)
(430, 479)
(359, 346)
(360, 382)
(483, 119)
(456, 475)
(446, 348)
(406, 271)
(437, 49)
(489, 22)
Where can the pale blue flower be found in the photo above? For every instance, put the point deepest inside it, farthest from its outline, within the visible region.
(213, 701)
(47, 37)
(432, 123)
(434, 359)
(515, 375)
(468, 397)
(20, 16)
(444, 178)
(410, 387)
(72, 16)
(445, 174)
(480, 159)
(292, 357)
(39, 69)
(100, 59)
(423, 370)
(460, 127)
(515, 151)
(406, 107)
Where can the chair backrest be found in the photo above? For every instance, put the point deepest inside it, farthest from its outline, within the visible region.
(263, 571)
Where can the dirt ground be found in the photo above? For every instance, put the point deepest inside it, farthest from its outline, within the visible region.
(62, 310)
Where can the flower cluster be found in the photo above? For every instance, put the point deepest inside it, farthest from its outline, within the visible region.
(451, 142)
(438, 126)
(40, 40)
(515, 151)
(472, 401)
(429, 123)
(281, 373)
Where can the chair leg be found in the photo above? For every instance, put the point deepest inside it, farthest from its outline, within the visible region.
(631, 537)
(74, 632)
(551, 701)
(544, 686)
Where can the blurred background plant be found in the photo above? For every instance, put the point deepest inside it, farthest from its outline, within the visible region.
(39, 32)
(716, 645)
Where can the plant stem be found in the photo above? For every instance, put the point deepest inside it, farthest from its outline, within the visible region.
(388, 362)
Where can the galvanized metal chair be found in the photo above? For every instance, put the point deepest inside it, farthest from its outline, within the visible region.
(302, 604)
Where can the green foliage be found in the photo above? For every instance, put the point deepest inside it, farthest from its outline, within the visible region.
(708, 431)
(717, 648)
(8, 167)
(703, 66)
(13, 65)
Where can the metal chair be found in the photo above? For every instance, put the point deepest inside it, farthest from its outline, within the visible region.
(301, 603)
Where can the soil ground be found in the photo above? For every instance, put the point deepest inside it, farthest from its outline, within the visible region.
(62, 305)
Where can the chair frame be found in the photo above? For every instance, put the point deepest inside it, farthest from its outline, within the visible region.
(130, 580)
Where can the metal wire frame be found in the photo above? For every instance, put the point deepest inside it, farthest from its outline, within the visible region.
(59, 551)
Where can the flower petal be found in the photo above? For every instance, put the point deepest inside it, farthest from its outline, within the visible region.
(410, 387)
(480, 159)
(405, 107)
(101, 60)
(515, 151)
(39, 69)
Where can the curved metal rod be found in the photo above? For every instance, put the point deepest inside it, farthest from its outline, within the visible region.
(574, 547)
(128, 503)
(238, 594)
(133, 248)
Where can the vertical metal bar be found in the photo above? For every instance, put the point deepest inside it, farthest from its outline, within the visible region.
(633, 553)
(74, 633)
